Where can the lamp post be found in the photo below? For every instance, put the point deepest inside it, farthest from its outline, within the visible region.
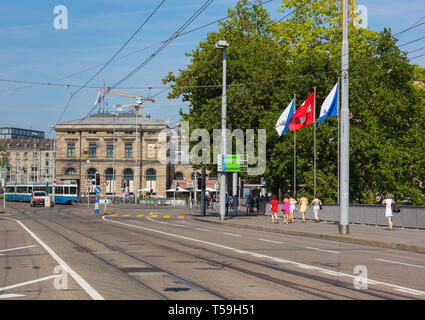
(54, 166)
(33, 155)
(113, 159)
(222, 44)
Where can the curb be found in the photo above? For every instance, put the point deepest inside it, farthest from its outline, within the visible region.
(338, 238)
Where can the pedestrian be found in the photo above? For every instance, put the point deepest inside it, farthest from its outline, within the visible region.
(227, 203)
(292, 209)
(213, 201)
(235, 204)
(274, 208)
(389, 199)
(317, 206)
(303, 206)
(286, 209)
(257, 203)
(249, 204)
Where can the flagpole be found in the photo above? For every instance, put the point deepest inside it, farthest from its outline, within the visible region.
(295, 157)
(339, 173)
(314, 113)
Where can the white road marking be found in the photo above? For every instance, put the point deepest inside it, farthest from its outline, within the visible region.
(417, 293)
(28, 282)
(83, 283)
(330, 251)
(405, 264)
(270, 241)
(177, 225)
(301, 265)
(232, 234)
(12, 295)
(200, 229)
(18, 248)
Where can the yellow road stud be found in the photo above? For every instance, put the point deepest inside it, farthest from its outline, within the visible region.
(140, 215)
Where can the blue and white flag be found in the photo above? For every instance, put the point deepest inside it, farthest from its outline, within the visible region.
(282, 124)
(98, 99)
(330, 106)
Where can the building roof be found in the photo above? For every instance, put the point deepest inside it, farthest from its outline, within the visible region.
(108, 118)
(45, 144)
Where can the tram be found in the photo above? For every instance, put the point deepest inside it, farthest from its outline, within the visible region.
(65, 191)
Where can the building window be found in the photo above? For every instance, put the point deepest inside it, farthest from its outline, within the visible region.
(47, 162)
(128, 174)
(110, 151)
(70, 172)
(150, 175)
(151, 151)
(128, 150)
(213, 176)
(91, 174)
(47, 154)
(109, 174)
(178, 176)
(92, 150)
(34, 154)
(92, 132)
(71, 149)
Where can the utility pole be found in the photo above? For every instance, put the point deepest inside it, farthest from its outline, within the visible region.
(223, 185)
(345, 128)
(137, 150)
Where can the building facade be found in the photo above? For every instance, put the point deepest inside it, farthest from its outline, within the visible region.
(18, 133)
(29, 160)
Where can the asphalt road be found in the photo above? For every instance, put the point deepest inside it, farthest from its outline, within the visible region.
(65, 253)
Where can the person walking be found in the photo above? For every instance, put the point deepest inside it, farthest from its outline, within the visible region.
(249, 204)
(227, 203)
(292, 209)
(257, 203)
(317, 205)
(274, 208)
(303, 206)
(235, 204)
(213, 201)
(286, 209)
(388, 210)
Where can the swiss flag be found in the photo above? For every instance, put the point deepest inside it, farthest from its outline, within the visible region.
(304, 116)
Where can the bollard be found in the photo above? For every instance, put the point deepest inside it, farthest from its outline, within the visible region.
(96, 206)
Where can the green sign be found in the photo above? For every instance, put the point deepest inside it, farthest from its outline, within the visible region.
(232, 163)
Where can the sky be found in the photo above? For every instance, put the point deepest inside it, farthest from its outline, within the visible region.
(32, 49)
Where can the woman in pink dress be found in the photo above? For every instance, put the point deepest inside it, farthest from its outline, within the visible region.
(286, 208)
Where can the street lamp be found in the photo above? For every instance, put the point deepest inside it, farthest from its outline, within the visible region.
(113, 159)
(222, 44)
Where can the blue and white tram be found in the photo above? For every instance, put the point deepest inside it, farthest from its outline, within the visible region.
(65, 191)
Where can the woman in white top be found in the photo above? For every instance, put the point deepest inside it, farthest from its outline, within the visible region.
(317, 203)
(388, 210)
(292, 203)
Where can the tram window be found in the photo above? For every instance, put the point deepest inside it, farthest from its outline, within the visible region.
(21, 190)
(10, 189)
(59, 190)
(39, 188)
(66, 190)
(29, 189)
(73, 190)
(50, 190)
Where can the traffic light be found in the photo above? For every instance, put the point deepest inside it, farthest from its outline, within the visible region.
(199, 183)
(97, 178)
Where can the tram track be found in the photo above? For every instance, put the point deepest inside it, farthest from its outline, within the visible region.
(117, 268)
(303, 289)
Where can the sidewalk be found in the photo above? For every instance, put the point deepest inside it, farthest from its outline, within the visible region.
(399, 239)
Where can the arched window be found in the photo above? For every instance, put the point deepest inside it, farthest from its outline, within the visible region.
(178, 176)
(110, 174)
(70, 172)
(192, 177)
(128, 174)
(213, 176)
(150, 175)
(91, 173)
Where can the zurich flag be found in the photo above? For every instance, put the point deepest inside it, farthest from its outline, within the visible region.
(330, 106)
(282, 124)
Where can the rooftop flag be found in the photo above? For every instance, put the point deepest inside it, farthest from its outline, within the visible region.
(304, 116)
(330, 105)
(282, 124)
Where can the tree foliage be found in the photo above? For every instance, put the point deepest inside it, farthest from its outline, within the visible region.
(268, 63)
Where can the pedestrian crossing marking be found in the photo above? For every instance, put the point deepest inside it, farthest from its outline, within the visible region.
(167, 216)
(153, 216)
(113, 215)
(140, 215)
(180, 217)
(127, 215)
